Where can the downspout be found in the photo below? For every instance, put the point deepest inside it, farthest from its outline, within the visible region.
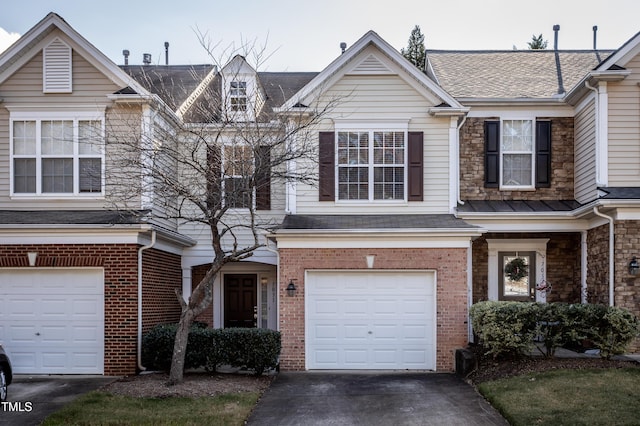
(464, 119)
(583, 267)
(140, 250)
(611, 252)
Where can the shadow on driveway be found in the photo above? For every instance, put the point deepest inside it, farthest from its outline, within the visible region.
(313, 398)
(32, 398)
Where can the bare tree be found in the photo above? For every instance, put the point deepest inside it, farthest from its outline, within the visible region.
(214, 163)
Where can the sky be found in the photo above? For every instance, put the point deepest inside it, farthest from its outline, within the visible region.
(303, 35)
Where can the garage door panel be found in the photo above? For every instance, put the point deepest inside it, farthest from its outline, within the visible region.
(378, 320)
(55, 320)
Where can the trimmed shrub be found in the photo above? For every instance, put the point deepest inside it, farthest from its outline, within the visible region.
(611, 329)
(505, 328)
(251, 348)
(510, 328)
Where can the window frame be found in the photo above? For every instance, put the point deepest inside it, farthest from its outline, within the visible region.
(238, 94)
(371, 166)
(38, 117)
(229, 173)
(531, 153)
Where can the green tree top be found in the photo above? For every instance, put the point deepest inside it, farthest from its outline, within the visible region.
(537, 43)
(415, 51)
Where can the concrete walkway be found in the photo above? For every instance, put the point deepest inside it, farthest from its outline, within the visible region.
(350, 398)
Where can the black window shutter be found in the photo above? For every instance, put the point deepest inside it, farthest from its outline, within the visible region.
(492, 154)
(415, 172)
(327, 172)
(543, 154)
(214, 178)
(263, 178)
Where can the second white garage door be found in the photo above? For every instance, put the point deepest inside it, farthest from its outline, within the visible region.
(370, 320)
(52, 321)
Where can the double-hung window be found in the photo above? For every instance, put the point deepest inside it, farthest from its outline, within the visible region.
(517, 148)
(518, 154)
(57, 155)
(238, 169)
(238, 95)
(371, 165)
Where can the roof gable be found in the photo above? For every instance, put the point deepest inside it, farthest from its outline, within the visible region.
(39, 36)
(623, 55)
(379, 58)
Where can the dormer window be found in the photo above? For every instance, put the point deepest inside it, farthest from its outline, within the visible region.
(238, 95)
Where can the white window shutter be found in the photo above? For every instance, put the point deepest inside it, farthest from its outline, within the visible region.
(57, 67)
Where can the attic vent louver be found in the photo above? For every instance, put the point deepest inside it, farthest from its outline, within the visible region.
(56, 69)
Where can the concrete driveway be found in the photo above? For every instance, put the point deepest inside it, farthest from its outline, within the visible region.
(32, 398)
(313, 398)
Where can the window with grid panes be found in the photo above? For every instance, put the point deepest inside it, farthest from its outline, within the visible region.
(57, 156)
(371, 165)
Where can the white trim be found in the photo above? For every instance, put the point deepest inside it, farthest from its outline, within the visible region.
(539, 245)
(31, 43)
(454, 165)
(75, 117)
(602, 140)
(407, 239)
(532, 153)
(338, 67)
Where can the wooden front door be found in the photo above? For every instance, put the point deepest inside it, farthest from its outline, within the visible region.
(240, 300)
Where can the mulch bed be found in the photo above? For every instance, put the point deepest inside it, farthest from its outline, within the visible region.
(492, 369)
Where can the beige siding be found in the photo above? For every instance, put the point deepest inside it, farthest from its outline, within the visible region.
(384, 98)
(24, 88)
(585, 154)
(624, 129)
(90, 87)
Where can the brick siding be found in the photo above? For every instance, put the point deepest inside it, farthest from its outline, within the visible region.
(451, 293)
(472, 164)
(562, 265)
(120, 265)
(161, 277)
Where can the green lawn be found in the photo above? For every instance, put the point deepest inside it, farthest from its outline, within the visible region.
(99, 408)
(568, 397)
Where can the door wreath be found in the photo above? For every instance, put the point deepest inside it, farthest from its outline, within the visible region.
(516, 269)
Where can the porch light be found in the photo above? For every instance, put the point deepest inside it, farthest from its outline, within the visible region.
(291, 289)
(634, 266)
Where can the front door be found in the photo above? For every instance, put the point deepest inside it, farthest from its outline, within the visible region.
(240, 300)
(517, 279)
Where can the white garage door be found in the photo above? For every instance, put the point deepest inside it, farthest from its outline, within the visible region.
(370, 320)
(52, 321)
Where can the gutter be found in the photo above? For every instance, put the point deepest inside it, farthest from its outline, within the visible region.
(140, 250)
(611, 252)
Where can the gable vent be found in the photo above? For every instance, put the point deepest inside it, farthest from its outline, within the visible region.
(57, 67)
(371, 65)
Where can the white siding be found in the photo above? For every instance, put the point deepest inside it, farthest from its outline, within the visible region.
(624, 129)
(386, 98)
(585, 153)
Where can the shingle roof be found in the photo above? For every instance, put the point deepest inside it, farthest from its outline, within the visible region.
(512, 73)
(173, 83)
(280, 86)
(341, 222)
(69, 217)
(517, 206)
